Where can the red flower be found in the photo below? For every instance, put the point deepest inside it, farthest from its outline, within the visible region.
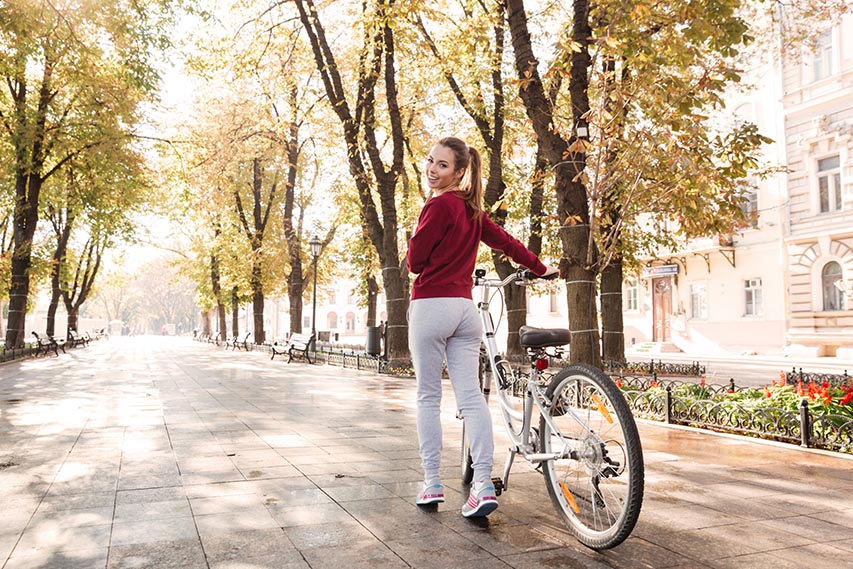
(782, 379)
(800, 391)
(767, 391)
(653, 384)
(702, 382)
(847, 398)
(619, 382)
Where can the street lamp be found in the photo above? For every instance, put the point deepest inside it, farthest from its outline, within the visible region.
(316, 247)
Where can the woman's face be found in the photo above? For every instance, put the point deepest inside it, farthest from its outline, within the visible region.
(441, 170)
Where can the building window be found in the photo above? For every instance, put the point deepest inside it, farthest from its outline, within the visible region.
(822, 64)
(750, 207)
(553, 307)
(632, 295)
(699, 301)
(754, 297)
(832, 284)
(350, 322)
(332, 320)
(829, 184)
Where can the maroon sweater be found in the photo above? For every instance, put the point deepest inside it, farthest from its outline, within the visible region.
(443, 249)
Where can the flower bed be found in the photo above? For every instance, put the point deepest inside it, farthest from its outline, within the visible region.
(808, 413)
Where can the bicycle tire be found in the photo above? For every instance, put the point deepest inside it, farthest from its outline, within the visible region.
(467, 461)
(599, 491)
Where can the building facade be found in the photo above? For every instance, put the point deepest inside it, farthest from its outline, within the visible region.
(818, 105)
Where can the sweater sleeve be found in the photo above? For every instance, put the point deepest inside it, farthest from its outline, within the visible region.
(497, 238)
(431, 228)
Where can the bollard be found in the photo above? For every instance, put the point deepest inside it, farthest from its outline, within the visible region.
(731, 385)
(805, 424)
(668, 404)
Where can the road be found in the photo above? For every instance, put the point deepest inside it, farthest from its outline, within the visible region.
(753, 371)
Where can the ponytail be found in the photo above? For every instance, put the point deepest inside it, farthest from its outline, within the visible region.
(471, 185)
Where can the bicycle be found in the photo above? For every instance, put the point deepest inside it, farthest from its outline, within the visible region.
(586, 446)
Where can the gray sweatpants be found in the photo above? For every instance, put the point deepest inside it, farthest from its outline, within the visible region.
(451, 328)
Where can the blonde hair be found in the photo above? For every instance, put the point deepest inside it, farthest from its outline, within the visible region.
(471, 185)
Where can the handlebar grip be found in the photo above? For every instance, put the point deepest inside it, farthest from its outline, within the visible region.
(530, 275)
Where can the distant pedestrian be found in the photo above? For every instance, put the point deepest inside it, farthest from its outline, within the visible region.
(443, 319)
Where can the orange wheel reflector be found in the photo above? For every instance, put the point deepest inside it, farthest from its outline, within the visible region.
(570, 498)
(602, 409)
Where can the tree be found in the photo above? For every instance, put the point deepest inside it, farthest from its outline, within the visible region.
(359, 123)
(75, 77)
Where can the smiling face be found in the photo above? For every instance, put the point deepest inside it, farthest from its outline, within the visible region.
(441, 172)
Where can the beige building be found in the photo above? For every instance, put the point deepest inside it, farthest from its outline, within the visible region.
(784, 284)
(818, 103)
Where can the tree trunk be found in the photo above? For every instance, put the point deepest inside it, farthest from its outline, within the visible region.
(295, 290)
(216, 288)
(612, 325)
(568, 160)
(73, 320)
(372, 292)
(235, 314)
(205, 324)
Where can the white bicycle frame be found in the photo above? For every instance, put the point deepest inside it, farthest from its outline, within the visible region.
(534, 395)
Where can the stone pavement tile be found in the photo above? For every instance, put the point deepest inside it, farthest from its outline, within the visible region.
(338, 479)
(145, 495)
(347, 533)
(58, 502)
(439, 549)
(291, 516)
(810, 528)
(248, 544)
(47, 539)
(394, 519)
(815, 556)
(636, 552)
(709, 544)
(844, 544)
(176, 554)
(564, 558)
(257, 472)
(366, 555)
(511, 538)
(365, 491)
(150, 531)
(401, 475)
(153, 510)
(749, 509)
(260, 459)
(149, 481)
(49, 517)
(815, 501)
(222, 504)
(235, 521)
(283, 497)
(653, 521)
(219, 489)
(77, 559)
(230, 474)
(289, 560)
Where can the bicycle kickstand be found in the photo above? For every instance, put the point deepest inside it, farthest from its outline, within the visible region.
(501, 485)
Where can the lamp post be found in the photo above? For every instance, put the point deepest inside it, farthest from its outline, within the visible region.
(316, 247)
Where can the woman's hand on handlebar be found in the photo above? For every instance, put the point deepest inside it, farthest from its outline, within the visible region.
(550, 273)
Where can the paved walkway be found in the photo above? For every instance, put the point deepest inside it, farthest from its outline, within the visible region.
(161, 452)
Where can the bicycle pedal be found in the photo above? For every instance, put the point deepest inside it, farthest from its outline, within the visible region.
(499, 486)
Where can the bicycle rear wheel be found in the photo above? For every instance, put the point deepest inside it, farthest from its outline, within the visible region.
(598, 487)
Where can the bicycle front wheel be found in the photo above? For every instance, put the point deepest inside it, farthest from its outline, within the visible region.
(597, 484)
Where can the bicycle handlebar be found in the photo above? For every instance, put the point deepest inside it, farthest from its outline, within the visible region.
(520, 277)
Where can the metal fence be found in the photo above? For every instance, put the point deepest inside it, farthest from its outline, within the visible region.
(803, 426)
(834, 379)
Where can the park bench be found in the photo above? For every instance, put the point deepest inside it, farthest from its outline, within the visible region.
(236, 343)
(76, 339)
(48, 344)
(243, 344)
(297, 345)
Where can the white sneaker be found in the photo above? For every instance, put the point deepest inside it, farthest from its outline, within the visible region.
(432, 494)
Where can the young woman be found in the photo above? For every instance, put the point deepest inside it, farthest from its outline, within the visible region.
(443, 320)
